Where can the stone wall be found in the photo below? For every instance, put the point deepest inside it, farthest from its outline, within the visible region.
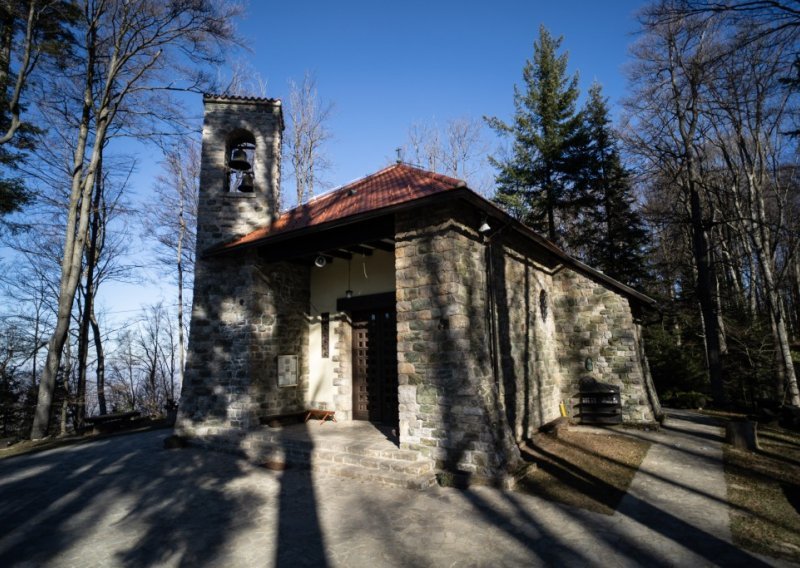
(343, 366)
(245, 314)
(525, 335)
(545, 320)
(225, 215)
(450, 405)
(593, 321)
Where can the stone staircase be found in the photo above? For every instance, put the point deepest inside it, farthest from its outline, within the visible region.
(355, 450)
(398, 468)
(359, 461)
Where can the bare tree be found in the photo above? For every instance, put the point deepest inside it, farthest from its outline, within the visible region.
(674, 59)
(244, 81)
(459, 149)
(123, 373)
(173, 224)
(423, 145)
(308, 133)
(132, 55)
(749, 118)
(712, 114)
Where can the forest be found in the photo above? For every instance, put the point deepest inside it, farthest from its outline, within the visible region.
(692, 196)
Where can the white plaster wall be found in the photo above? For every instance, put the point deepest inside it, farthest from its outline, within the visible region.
(368, 275)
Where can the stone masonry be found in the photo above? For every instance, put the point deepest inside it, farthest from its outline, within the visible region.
(246, 312)
(224, 215)
(450, 403)
(598, 323)
(482, 367)
(493, 330)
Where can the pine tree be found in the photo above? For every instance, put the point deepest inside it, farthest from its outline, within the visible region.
(611, 234)
(35, 38)
(536, 183)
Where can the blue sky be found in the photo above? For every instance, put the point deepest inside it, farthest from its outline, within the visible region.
(387, 65)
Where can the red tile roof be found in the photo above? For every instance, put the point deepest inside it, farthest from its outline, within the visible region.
(395, 185)
(398, 185)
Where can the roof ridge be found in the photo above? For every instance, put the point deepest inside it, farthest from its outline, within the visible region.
(456, 182)
(339, 188)
(442, 177)
(241, 98)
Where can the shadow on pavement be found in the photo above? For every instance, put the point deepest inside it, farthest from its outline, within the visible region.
(174, 501)
(300, 538)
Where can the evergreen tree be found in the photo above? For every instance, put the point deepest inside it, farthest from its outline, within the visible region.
(536, 183)
(36, 37)
(611, 234)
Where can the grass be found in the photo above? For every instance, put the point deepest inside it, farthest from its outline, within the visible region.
(764, 494)
(586, 470)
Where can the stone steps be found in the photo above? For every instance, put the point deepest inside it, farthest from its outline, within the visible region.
(371, 475)
(368, 459)
(394, 467)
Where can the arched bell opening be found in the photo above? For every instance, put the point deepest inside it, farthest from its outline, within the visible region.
(240, 153)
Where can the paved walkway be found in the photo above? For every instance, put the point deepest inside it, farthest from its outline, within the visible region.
(125, 501)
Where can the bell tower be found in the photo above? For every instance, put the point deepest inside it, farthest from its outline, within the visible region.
(240, 172)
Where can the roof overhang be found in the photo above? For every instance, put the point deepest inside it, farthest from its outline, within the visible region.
(377, 224)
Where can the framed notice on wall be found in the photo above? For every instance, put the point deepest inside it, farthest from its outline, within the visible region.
(287, 370)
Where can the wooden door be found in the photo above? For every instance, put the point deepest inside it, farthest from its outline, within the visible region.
(375, 366)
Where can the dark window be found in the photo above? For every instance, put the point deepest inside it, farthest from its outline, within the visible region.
(325, 320)
(543, 304)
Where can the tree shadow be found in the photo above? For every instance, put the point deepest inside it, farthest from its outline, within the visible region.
(777, 439)
(574, 477)
(300, 538)
(158, 505)
(718, 438)
(682, 486)
(552, 548)
(695, 417)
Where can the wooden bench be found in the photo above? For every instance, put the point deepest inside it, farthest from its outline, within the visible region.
(321, 415)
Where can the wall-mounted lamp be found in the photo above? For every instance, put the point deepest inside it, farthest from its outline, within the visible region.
(588, 364)
(348, 293)
(485, 227)
(320, 261)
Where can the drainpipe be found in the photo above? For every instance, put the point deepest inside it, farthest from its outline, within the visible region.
(491, 314)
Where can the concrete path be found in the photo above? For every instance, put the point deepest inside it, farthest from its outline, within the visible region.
(125, 501)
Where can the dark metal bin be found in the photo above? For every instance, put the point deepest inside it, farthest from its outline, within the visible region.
(598, 403)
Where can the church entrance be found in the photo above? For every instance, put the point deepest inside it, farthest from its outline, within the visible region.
(375, 365)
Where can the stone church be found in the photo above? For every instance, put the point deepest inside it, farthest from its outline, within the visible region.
(403, 299)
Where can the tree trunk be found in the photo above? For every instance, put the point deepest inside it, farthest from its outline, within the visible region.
(705, 287)
(101, 365)
(742, 435)
(179, 259)
(6, 37)
(83, 176)
(65, 395)
(723, 343)
(796, 291)
(83, 356)
(92, 253)
(762, 245)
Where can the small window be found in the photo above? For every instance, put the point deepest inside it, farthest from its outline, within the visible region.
(543, 304)
(239, 158)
